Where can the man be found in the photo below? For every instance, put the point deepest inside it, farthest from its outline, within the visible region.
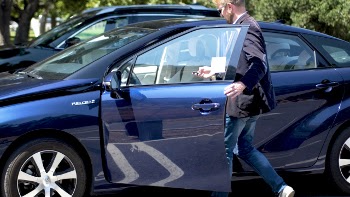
(250, 95)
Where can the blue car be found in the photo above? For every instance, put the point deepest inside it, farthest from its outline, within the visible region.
(124, 109)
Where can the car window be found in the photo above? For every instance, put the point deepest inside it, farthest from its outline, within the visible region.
(288, 52)
(101, 27)
(176, 60)
(141, 18)
(77, 57)
(47, 39)
(337, 51)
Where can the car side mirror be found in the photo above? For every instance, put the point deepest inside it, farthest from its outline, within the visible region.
(72, 41)
(112, 83)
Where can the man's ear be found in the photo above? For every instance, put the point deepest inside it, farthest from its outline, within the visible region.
(230, 7)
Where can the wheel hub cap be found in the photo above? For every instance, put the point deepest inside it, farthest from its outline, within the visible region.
(47, 180)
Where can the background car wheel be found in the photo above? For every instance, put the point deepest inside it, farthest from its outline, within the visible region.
(44, 167)
(338, 168)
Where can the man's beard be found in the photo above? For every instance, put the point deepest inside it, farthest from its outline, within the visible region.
(229, 19)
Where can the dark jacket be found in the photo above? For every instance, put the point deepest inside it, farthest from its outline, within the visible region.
(253, 71)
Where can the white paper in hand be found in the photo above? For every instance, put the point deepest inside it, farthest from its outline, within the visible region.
(218, 64)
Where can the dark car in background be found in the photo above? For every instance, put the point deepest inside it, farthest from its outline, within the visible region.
(123, 109)
(90, 23)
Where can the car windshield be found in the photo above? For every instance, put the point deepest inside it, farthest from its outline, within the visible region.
(46, 39)
(77, 57)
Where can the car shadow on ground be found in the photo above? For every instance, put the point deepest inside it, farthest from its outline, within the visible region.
(305, 186)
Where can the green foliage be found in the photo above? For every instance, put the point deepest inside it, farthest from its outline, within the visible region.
(68, 8)
(330, 17)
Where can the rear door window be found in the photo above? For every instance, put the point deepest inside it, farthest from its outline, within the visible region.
(101, 27)
(288, 52)
(336, 51)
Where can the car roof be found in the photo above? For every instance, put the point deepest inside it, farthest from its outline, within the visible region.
(155, 8)
(289, 28)
(188, 23)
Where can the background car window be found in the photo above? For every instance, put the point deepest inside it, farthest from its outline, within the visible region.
(77, 57)
(336, 51)
(148, 17)
(47, 39)
(176, 60)
(101, 27)
(288, 52)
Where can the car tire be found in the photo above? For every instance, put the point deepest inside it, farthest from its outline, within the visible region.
(337, 170)
(28, 170)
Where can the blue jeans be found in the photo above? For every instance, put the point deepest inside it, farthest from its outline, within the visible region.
(239, 134)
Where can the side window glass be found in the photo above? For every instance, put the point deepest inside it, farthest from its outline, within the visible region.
(176, 60)
(288, 52)
(336, 51)
(338, 54)
(91, 31)
(140, 18)
(120, 22)
(101, 27)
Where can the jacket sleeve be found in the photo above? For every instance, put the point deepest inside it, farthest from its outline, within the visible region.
(255, 52)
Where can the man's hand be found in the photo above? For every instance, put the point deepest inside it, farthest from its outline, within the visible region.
(204, 72)
(234, 89)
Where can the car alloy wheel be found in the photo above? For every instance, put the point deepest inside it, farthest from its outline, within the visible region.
(338, 162)
(44, 167)
(344, 160)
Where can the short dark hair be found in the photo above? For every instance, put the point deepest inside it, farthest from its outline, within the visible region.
(237, 2)
(234, 2)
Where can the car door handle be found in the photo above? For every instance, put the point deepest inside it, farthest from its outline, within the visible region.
(206, 108)
(327, 85)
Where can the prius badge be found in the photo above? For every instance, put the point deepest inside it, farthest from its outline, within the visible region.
(83, 102)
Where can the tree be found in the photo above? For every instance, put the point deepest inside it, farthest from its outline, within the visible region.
(5, 16)
(330, 17)
(26, 13)
(48, 5)
(68, 8)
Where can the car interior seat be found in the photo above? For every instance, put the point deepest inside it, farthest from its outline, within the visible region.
(278, 55)
(304, 61)
(198, 58)
(198, 51)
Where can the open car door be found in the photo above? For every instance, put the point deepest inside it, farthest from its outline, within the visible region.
(163, 125)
